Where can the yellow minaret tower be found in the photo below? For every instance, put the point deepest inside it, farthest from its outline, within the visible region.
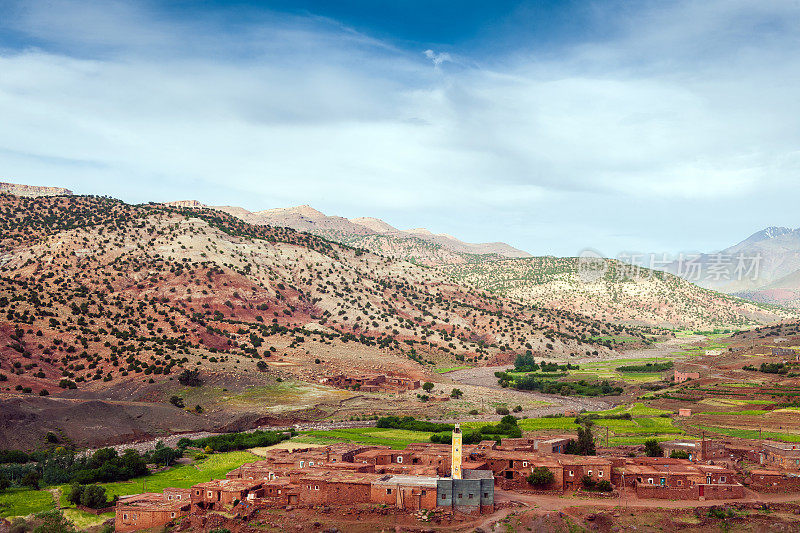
(455, 468)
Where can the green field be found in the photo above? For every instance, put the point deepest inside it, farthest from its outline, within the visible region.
(22, 502)
(395, 438)
(750, 433)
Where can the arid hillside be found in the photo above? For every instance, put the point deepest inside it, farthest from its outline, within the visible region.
(618, 294)
(111, 301)
(417, 245)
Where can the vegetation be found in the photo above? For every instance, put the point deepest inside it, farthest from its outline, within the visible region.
(647, 367)
(541, 477)
(653, 449)
(237, 441)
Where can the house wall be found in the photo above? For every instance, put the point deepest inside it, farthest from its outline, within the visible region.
(334, 492)
(775, 483)
(131, 518)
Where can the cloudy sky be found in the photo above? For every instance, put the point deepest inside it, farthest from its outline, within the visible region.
(554, 126)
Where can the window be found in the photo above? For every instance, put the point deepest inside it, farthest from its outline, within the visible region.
(124, 516)
(599, 473)
(302, 464)
(571, 473)
(680, 483)
(311, 463)
(469, 496)
(172, 515)
(316, 487)
(589, 473)
(524, 463)
(399, 458)
(444, 496)
(210, 494)
(649, 481)
(639, 479)
(423, 493)
(485, 494)
(722, 479)
(197, 492)
(460, 495)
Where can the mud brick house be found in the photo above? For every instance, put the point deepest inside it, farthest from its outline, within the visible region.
(224, 494)
(680, 377)
(372, 382)
(411, 493)
(664, 478)
(781, 456)
(512, 468)
(150, 510)
(774, 481)
(336, 488)
(693, 448)
(575, 468)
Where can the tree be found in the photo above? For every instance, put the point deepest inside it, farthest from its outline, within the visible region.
(31, 479)
(427, 386)
(53, 522)
(262, 366)
(541, 477)
(4, 483)
(679, 454)
(652, 448)
(586, 441)
(177, 401)
(190, 378)
(456, 393)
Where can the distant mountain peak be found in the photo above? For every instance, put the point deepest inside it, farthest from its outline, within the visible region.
(375, 224)
(304, 210)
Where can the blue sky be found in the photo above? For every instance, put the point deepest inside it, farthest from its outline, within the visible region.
(554, 126)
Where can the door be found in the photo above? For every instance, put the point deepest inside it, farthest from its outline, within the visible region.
(702, 490)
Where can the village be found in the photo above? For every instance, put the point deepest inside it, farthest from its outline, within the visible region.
(465, 482)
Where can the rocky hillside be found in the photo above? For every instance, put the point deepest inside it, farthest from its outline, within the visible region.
(417, 245)
(617, 294)
(32, 191)
(114, 301)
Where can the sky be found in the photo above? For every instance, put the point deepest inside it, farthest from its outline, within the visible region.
(554, 126)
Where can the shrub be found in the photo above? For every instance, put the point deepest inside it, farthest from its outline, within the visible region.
(190, 378)
(427, 386)
(652, 448)
(502, 410)
(541, 477)
(177, 401)
(679, 454)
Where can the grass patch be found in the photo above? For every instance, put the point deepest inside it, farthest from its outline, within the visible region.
(395, 438)
(751, 433)
(23, 502)
(451, 369)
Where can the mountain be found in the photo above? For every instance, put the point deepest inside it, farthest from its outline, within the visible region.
(614, 293)
(106, 304)
(763, 267)
(418, 245)
(32, 191)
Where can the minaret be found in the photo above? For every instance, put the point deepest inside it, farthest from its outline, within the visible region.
(455, 468)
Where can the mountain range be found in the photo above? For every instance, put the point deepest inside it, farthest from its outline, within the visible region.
(765, 267)
(418, 245)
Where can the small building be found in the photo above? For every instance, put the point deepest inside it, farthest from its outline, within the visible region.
(151, 509)
(683, 411)
(693, 449)
(473, 494)
(781, 455)
(681, 377)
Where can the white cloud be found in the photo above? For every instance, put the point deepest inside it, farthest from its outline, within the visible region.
(303, 110)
